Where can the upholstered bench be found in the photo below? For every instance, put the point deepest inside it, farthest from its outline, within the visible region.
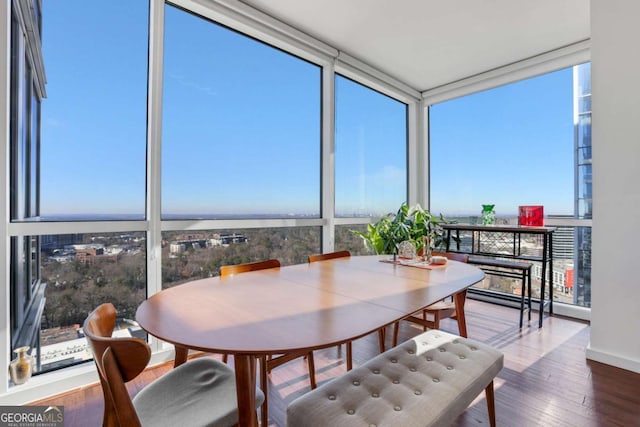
(427, 381)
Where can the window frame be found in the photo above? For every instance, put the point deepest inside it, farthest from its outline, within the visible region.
(568, 56)
(253, 23)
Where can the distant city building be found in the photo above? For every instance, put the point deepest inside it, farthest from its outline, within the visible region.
(57, 241)
(583, 181)
(563, 242)
(227, 239)
(202, 242)
(87, 256)
(177, 248)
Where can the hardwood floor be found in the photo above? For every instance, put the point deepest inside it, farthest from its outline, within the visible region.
(546, 380)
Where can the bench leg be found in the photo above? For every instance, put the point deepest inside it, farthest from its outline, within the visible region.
(491, 404)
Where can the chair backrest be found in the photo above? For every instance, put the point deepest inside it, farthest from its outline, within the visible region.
(118, 360)
(455, 256)
(227, 270)
(330, 255)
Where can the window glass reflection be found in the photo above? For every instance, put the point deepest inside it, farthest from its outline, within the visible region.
(240, 127)
(371, 151)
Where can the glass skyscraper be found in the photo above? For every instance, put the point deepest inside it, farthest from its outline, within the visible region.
(583, 181)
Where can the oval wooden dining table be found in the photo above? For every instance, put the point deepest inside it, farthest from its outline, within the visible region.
(295, 309)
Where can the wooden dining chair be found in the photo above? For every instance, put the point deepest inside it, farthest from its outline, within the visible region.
(267, 363)
(330, 255)
(228, 270)
(432, 315)
(348, 345)
(199, 392)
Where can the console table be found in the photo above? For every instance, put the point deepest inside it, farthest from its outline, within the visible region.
(505, 241)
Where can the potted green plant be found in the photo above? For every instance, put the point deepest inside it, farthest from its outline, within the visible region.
(411, 223)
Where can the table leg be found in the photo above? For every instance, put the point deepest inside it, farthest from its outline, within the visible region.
(245, 365)
(543, 278)
(180, 356)
(458, 300)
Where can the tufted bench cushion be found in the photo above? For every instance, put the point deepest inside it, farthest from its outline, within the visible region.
(426, 381)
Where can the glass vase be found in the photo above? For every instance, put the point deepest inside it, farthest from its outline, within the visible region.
(426, 249)
(488, 215)
(426, 257)
(21, 368)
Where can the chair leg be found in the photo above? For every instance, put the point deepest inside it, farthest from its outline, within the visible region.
(349, 356)
(396, 330)
(312, 370)
(436, 320)
(381, 339)
(491, 404)
(264, 409)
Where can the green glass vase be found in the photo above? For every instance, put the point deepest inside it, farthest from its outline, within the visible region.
(488, 215)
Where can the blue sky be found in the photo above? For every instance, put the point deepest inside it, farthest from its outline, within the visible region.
(508, 146)
(241, 128)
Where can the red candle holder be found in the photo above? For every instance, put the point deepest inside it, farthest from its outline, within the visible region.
(531, 215)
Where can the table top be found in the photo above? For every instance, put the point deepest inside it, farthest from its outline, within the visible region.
(299, 307)
(524, 229)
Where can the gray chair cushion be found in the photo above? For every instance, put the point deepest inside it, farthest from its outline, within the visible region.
(426, 381)
(201, 392)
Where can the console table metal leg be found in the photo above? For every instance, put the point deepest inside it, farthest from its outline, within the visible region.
(522, 296)
(529, 291)
(550, 273)
(543, 278)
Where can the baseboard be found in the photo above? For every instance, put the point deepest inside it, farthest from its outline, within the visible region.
(613, 360)
(510, 300)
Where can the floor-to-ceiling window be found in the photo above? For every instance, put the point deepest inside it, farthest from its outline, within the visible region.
(241, 140)
(27, 91)
(370, 157)
(78, 160)
(525, 143)
(236, 153)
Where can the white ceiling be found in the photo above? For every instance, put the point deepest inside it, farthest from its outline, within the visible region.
(428, 43)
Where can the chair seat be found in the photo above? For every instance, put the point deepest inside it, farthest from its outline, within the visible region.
(441, 306)
(201, 392)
